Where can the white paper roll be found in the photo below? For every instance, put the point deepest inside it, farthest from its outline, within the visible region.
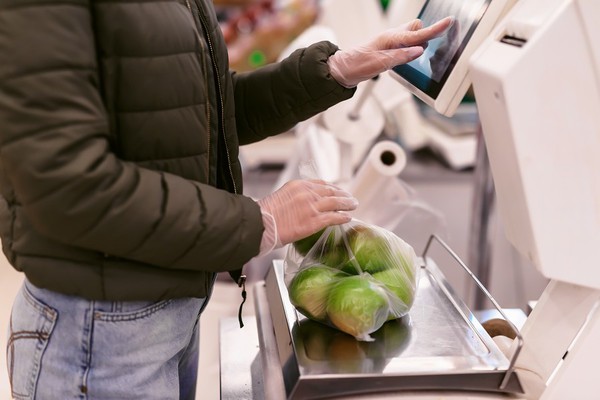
(378, 172)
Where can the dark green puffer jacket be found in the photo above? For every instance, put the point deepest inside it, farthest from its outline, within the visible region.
(119, 132)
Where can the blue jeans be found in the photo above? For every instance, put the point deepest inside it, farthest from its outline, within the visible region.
(64, 347)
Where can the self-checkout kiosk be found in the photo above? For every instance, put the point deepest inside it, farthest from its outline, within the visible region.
(534, 66)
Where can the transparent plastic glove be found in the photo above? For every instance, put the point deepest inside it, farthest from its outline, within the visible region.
(393, 47)
(300, 208)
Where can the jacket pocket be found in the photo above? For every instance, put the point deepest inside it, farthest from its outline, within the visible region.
(27, 341)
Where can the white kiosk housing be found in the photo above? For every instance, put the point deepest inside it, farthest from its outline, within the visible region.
(535, 70)
(536, 80)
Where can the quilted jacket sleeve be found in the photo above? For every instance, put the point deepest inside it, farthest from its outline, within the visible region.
(274, 98)
(54, 153)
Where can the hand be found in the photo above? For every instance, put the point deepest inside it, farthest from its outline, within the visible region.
(393, 47)
(301, 208)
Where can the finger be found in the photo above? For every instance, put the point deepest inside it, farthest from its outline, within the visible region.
(335, 218)
(439, 27)
(403, 55)
(337, 192)
(314, 223)
(336, 204)
(431, 32)
(413, 25)
(323, 189)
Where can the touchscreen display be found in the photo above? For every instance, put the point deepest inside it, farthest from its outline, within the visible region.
(430, 71)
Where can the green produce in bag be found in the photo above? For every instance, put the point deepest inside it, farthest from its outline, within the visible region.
(371, 277)
(401, 287)
(309, 290)
(303, 246)
(325, 247)
(358, 306)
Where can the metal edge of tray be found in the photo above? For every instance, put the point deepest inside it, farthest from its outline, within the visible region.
(273, 384)
(463, 309)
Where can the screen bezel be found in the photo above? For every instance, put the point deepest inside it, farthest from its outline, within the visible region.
(425, 83)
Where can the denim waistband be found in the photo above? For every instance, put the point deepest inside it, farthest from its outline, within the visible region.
(63, 302)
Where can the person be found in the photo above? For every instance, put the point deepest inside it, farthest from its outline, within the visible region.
(121, 190)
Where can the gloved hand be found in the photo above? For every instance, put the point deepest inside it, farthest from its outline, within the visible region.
(392, 47)
(299, 209)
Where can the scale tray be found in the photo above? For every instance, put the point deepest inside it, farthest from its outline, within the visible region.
(439, 345)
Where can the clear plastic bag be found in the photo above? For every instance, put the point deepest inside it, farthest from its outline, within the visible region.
(353, 277)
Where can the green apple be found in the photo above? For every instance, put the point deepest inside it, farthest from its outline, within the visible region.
(376, 250)
(402, 287)
(330, 251)
(405, 258)
(371, 249)
(303, 246)
(309, 289)
(351, 267)
(334, 256)
(357, 306)
(333, 252)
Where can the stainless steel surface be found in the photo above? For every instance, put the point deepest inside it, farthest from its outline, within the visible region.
(274, 388)
(519, 337)
(439, 345)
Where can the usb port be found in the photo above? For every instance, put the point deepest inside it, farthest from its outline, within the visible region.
(514, 41)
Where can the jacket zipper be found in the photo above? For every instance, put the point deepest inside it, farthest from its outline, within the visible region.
(220, 95)
(189, 6)
(241, 282)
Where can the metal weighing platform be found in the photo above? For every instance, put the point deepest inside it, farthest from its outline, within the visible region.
(439, 345)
